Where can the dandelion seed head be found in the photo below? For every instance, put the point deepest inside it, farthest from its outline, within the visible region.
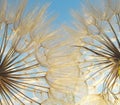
(21, 73)
(99, 45)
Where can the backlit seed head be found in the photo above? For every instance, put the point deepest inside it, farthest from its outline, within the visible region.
(99, 37)
(21, 75)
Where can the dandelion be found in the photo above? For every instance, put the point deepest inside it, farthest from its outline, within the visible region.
(63, 74)
(66, 99)
(22, 77)
(99, 29)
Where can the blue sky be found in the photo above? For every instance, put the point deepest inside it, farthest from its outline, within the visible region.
(61, 8)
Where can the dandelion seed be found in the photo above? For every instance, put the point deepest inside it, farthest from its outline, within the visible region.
(20, 71)
(96, 39)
